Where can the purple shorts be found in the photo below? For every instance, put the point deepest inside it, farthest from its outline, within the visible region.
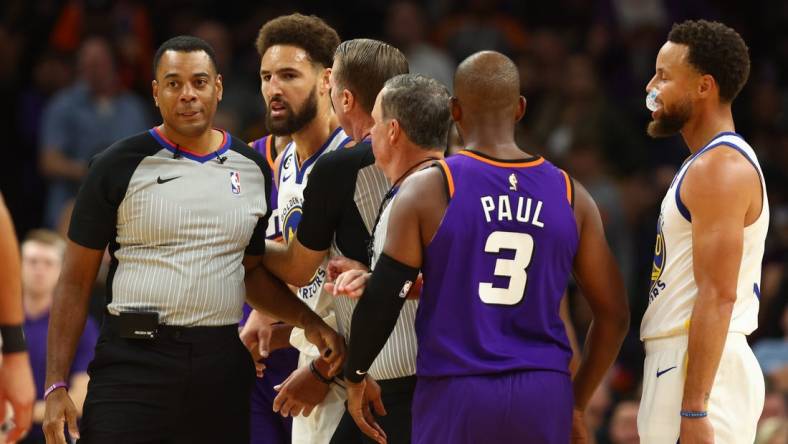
(269, 427)
(527, 406)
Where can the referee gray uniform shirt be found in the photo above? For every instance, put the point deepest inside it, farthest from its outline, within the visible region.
(178, 225)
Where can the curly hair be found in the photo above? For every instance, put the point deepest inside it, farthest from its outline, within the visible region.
(717, 50)
(309, 33)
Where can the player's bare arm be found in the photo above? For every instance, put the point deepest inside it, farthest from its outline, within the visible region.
(722, 191)
(292, 262)
(599, 278)
(67, 320)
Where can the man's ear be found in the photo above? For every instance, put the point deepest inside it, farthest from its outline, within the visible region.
(154, 85)
(456, 109)
(348, 101)
(325, 84)
(219, 87)
(394, 131)
(521, 104)
(706, 86)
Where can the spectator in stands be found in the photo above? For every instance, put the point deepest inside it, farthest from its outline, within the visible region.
(42, 259)
(82, 120)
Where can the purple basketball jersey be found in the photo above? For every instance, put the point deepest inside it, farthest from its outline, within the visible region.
(496, 270)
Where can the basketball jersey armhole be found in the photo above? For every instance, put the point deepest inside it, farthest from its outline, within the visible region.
(270, 150)
(683, 208)
(448, 179)
(570, 189)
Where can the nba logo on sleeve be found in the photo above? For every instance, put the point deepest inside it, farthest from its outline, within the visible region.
(235, 182)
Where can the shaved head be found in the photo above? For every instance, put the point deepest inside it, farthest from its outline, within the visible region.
(487, 82)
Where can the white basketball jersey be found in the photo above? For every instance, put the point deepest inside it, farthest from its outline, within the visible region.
(292, 182)
(673, 291)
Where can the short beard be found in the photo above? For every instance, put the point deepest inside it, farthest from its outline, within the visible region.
(294, 121)
(670, 123)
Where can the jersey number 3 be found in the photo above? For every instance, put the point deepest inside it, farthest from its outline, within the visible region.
(514, 269)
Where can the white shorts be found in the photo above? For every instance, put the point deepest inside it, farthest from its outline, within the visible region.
(319, 426)
(736, 400)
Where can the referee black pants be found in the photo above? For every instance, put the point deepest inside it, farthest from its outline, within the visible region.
(189, 385)
(397, 396)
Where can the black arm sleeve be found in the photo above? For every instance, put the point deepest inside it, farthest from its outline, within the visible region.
(377, 313)
(330, 181)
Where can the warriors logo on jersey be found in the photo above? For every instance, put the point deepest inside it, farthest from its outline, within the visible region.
(660, 257)
(291, 220)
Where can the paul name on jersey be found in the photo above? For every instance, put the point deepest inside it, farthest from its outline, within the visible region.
(524, 209)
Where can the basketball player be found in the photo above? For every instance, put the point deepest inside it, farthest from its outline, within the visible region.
(296, 58)
(701, 381)
(496, 234)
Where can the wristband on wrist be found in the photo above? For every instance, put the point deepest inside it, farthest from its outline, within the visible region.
(317, 374)
(693, 414)
(55, 386)
(13, 338)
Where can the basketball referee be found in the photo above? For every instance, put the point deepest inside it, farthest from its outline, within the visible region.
(184, 209)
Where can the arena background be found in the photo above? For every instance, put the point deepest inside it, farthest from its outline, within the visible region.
(583, 64)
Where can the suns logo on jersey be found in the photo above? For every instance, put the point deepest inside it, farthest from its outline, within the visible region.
(290, 223)
(658, 265)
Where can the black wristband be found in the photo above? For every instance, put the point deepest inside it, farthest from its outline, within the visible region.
(13, 338)
(317, 374)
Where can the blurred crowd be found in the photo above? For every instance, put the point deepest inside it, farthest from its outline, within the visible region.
(75, 76)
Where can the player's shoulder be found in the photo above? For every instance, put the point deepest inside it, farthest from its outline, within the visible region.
(726, 166)
(423, 187)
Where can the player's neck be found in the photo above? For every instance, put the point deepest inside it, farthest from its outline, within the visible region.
(497, 149)
(314, 134)
(493, 139)
(207, 142)
(700, 129)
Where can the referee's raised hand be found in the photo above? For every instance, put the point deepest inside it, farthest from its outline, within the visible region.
(330, 343)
